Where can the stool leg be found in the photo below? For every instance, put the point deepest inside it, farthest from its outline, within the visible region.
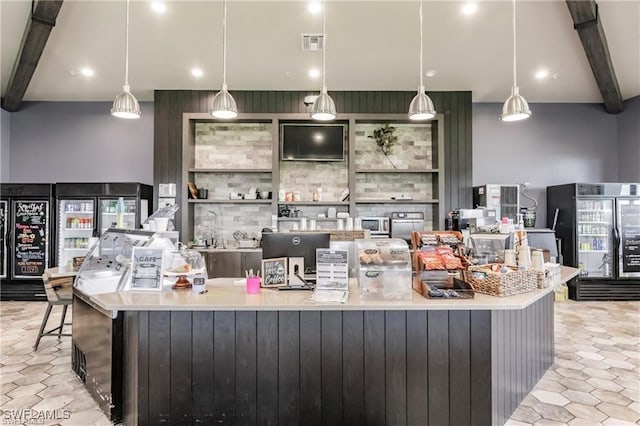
(64, 314)
(44, 323)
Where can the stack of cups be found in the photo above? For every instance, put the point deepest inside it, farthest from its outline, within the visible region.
(524, 257)
(510, 257)
(537, 260)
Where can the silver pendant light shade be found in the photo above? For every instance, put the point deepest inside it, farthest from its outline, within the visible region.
(125, 105)
(515, 107)
(421, 107)
(324, 109)
(223, 105)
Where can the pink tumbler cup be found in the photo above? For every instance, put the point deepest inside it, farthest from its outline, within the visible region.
(253, 285)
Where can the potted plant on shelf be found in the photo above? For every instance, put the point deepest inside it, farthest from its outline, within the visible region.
(385, 139)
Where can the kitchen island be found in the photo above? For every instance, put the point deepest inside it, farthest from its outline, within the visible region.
(226, 357)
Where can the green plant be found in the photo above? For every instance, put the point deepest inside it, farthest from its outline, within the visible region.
(385, 138)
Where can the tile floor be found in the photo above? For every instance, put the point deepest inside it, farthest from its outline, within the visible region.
(595, 379)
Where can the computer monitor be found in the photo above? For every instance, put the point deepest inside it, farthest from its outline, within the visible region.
(288, 244)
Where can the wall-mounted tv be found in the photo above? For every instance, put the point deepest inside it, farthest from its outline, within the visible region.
(312, 142)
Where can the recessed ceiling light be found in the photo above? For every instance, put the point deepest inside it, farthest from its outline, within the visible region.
(431, 73)
(159, 7)
(314, 73)
(314, 7)
(196, 72)
(87, 72)
(469, 8)
(542, 74)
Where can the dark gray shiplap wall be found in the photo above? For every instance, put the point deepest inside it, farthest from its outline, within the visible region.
(456, 107)
(5, 126)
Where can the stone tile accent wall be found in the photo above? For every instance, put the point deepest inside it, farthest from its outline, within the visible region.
(249, 218)
(233, 146)
(305, 176)
(413, 150)
(387, 185)
(221, 184)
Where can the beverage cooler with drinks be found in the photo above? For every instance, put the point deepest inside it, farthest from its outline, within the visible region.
(599, 226)
(26, 232)
(86, 210)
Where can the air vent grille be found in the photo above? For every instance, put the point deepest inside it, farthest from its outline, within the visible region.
(312, 42)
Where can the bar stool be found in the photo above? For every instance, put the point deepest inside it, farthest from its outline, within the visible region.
(62, 296)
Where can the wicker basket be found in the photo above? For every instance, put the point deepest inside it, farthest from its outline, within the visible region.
(501, 284)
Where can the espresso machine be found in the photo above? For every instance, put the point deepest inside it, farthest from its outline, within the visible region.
(472, 220)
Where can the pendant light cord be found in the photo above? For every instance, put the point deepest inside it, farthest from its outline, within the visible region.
(126, 48)
(224, 44)
(421, 81)
(514, 43)
(324, 42)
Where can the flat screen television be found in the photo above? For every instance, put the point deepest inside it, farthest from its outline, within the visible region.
(288, 244)
(312, 142)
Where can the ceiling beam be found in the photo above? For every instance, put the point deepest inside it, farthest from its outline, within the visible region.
(586, 21)
(43, 19)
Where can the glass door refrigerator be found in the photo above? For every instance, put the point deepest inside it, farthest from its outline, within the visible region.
(86, 210)
(25, 233)
(599, 226)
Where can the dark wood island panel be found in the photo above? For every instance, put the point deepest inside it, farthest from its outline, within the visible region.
(333, 367)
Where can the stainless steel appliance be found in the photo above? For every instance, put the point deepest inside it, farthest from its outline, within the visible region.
(25, 233)
(377, 225)
(599, 225)
(504, 199)
(404, 223)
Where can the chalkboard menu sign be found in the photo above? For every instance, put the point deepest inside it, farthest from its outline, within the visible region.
(31, 224)
(3, 236)
(274, 272)
(630, 235)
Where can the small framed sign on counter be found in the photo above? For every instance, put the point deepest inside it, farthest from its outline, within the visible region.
(146, 269)
(274, 272)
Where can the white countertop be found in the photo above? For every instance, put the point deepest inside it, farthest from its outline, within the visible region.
(222, 295)
(229, 250)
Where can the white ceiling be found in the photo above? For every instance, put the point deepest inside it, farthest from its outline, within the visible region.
(371, 45)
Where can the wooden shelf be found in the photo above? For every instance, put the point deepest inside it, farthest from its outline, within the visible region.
(389, 201)
(194, 170)
(397, 170)
(207, 201)
(315, 203)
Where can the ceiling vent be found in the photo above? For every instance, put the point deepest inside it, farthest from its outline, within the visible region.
(312, 42)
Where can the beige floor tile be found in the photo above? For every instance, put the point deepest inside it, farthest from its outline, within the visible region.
(30, 379)
(552, 375)
(102, 421)
(611, 397)
(65, 360)
(619, 363)
(11, 368)
(587, 412)
(85, 417)
(625, 373)
(547, 397)
(62, 368)
(605, 384)
(10, 377)
(41, 359)
(553, 412)
(512, 422)
(634, 406)
(574, 384)
(628, 384)
(583, 422)
(22, 403)
(581, 397)
(7, 387)
(550, 385)
(4, 399)
(619, 412)
(572, 374)
(26, 390)
(599, 373)
(35, 369)
(590, 355)
(617, 422)
(526, 414)
(632, 394)
(55, 403)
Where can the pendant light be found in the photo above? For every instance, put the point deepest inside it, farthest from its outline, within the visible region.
(223, 104)
(323, 108)
(515, 107)
(421, 107)
(125, 105)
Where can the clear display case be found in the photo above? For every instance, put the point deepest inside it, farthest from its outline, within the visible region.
(107, 262)
(384, 269)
